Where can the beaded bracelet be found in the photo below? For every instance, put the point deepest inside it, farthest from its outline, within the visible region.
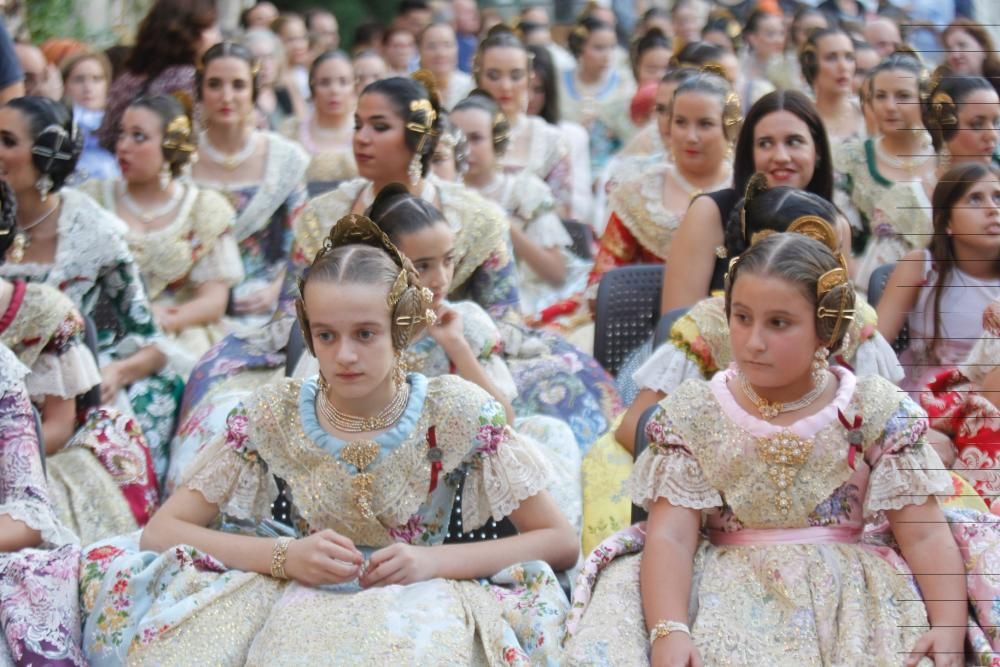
(664, 628)
(278, 556)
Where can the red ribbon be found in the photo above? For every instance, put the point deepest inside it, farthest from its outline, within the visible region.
(854, 436)
(436, 465)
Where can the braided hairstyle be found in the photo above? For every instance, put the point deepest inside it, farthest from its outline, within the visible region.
(802, 261)
(358, 252)
(808, 55)
(499, 125)
(772, 209)
(419, 109)
(175, 118)
(56, 142)
(945, 98)
(228, 49)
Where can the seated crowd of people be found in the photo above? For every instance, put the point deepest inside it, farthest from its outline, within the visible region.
(298, 344)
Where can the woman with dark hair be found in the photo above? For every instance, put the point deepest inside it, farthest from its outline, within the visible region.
(260, 172)
(783, 137)
(543, 102)
(698, 347)
(764, 40)
(181, 235)
(827, 60)
(40, 558)
(326, 131)
(962, 114)
(941, 291)
(168, 48)
(503, 68)
(889, 177)
(971, 51)
(66, 240)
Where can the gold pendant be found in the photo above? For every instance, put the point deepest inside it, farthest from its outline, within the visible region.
(361, 454)
(784, 453)
(16, 252)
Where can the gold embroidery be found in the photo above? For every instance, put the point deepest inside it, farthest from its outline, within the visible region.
(785, 453)
(361, 454)
(42, 312)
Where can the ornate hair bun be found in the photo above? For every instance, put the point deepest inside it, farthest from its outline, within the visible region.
(427, 79)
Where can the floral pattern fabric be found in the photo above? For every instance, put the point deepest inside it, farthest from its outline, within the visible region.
(39, 614)
(94, 268)
(185, 605)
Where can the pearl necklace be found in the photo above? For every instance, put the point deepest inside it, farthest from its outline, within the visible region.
(769, 410)
(908, 165)
(229, 161)
(149, 215)
(342, 421)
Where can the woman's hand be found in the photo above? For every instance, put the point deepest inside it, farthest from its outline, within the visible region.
(675, 650)
(447, 330)
(167, 318)
(113, 380)
(400, 564)
(944, 645)
(259, 301)
(325, 557)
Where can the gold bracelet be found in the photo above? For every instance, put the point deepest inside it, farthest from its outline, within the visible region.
(278, 556)
(663, 629)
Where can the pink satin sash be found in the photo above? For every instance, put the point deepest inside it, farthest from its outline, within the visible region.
(749, 537)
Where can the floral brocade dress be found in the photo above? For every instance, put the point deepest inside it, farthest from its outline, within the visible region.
(699, 347)
(552, 436)
(782, 575)
(102, 482)
(39, 612)
(183, 606)
(95, 269)
(265, 213)
(196, 247)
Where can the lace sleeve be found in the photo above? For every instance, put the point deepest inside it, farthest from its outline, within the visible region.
(666, 369)
(68, 374)
(222, 263)
(905, 468)
(668, 470)
(504, 470)
(23, 489)
(230, 475)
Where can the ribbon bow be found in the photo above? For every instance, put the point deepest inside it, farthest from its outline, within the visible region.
(855, 437)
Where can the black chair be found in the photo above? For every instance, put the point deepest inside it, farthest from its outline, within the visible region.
(628, 306)
(316, 188)
(665, 324)
(876, 287)
(639, 514)
(583, 238)
(92, 398)
(492, 530)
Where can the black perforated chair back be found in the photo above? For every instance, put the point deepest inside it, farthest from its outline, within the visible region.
(92, 398)
(628, 306)
(456, 530)
(583, 238)
(641, 442)
(293, 351)
(876, 288)
(665, 324)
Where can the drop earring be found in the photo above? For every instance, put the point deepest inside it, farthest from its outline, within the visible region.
(820, 365)
(44, 186)
(165, 176)
(415, 169)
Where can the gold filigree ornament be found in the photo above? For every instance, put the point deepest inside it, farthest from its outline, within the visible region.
(177, 136)
(943, 109)
(426, 128)
(784, 454)
(361, 454)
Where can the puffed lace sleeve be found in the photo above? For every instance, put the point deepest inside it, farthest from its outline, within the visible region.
(667, 469)
(66, 367)
(24, 492)
(503, 469)
(221, 263)
(875, 356)
(229, 473)
(905, 467)
(666, 369)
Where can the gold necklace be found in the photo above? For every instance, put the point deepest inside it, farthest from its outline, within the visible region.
(22, 239)
(769, 410)
(342, 421)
